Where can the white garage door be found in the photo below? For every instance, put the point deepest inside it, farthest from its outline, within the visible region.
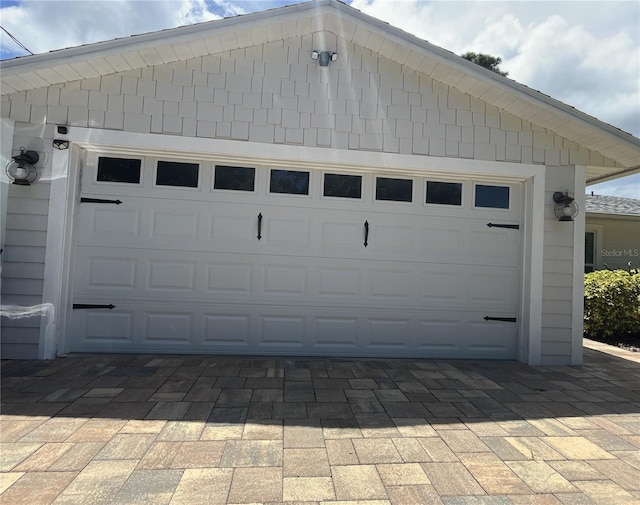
(206, 258)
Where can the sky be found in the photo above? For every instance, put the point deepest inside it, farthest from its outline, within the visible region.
(584, 53)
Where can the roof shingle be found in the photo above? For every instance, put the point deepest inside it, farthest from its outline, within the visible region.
(601, 204)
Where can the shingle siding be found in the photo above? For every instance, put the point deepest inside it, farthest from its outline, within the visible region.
(378, 102)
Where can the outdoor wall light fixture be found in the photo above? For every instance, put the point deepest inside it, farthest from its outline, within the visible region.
(21, 168)
(566, 207)
(324, 57)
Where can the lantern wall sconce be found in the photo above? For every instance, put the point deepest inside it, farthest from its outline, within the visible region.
(566, 207)
(21, 169)
(324, 57)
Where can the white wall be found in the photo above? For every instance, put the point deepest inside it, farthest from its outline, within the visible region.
(24, 251)
(275, 94)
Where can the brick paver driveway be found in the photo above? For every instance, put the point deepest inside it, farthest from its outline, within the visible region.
(191, 429)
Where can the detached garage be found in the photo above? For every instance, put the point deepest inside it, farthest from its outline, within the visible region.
(303, 181)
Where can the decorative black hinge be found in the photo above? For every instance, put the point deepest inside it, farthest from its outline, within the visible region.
(510, 226)
(99, 200)
(506, 319)
(93, 306)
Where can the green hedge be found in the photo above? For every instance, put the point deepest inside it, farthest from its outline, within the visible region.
(611, 303)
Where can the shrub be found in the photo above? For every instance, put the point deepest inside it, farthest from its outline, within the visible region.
(611, 303)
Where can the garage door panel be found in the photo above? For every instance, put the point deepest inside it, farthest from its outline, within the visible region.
(441, 285)
(388, 333)
(229, 278)
(342, 238)
(136, 326)
(227, 329)
(168, 327)
(171, 224)
(337, 332)
(282, 330)
(293, 280)
(391, 283)
(284, 280)
(492, 288)
(285, 230)
(451, 336)
(495, 339)
(392, 240)
(115, 221)
(188, 273)
(170, 276)
(105, 327)
(494, 247)
(236, 230)
(341, 282)
(110, 222)
(109, 273)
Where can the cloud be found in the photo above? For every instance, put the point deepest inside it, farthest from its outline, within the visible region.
(627, 187)
(47, 25)
(585, 54)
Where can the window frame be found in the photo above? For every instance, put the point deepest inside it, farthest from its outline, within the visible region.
(342, 198)
(412, 180)
(299, 195)
(157, 161)
(463, 192)
(231, 190)
(118, 183)
(509, 206)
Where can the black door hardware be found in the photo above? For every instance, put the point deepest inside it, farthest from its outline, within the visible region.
(510, 226)
(93, 306)
(506, 319)
(99, 200)
(259, 226)
(366, 233)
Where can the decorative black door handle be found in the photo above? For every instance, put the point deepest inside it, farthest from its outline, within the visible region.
(366, 233)
(259, 226)
(99, 200)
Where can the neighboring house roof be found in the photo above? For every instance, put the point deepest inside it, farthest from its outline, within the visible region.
(620, 150)
(600, 204)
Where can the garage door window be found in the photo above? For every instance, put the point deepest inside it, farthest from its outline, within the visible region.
(234, 178)
(395, 190)
(171, 173)
(444, 193)
(494, 197)
(119, 170)
(343, 186)
(289, 181)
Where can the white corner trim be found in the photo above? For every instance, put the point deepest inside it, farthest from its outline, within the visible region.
(6, 140)
(579, 227)
(54, 257)
(536, 270)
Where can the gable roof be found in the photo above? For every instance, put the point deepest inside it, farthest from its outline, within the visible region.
(600, 204)
(335, 17)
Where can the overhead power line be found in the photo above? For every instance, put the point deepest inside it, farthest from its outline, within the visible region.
(15, 40)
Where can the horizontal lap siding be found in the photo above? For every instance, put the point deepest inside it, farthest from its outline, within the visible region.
(23, 269)
(557, 290)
